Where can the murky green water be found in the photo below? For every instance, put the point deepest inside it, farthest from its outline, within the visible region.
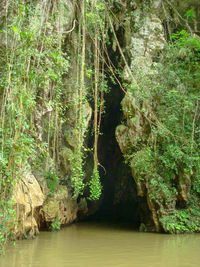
(94, 245)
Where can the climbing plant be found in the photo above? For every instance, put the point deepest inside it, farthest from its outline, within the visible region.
(31, 79)
(169, 159)
(92, 24)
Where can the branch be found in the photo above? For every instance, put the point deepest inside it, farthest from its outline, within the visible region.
(176, 11)
(74, 24)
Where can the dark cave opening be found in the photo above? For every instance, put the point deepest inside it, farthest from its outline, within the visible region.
(119, 202)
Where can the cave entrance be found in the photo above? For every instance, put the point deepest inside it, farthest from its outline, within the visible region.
(119, 201)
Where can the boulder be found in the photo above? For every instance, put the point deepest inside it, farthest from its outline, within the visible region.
(28, 198)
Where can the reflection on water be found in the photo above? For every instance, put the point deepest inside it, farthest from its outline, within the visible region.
(95, 244)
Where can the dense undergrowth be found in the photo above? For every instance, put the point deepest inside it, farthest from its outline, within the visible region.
(168, 159)
(35, 98)
(32, 67)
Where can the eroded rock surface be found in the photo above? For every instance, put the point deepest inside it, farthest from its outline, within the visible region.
(145, 42)
(35, 208)
(28, 199)
(60, 207)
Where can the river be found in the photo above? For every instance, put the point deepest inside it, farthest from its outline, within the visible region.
(102, 245)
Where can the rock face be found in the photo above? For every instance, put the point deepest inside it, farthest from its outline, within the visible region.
(60, 207)
(147, 38)
(28, 198)
(34, 207)
(144, 44)
(39, 199)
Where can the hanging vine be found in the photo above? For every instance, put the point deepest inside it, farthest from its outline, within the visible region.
(31, 82)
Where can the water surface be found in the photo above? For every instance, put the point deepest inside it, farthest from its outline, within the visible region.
(98, 244)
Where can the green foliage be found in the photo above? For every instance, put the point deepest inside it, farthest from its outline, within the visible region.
(52, 180)
(32, 68)
(172, 136)
(190, 14)
(161, 191)
(95, 15)
(196, 185)
(77, 173)
(95, 185)
(182, 221)
(142, 163)
(55, 225)
(7, 220)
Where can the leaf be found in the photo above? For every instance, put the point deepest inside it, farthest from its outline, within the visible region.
(15, 29)
(190, 14)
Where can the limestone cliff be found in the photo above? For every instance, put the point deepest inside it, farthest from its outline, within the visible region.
(145, 43)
